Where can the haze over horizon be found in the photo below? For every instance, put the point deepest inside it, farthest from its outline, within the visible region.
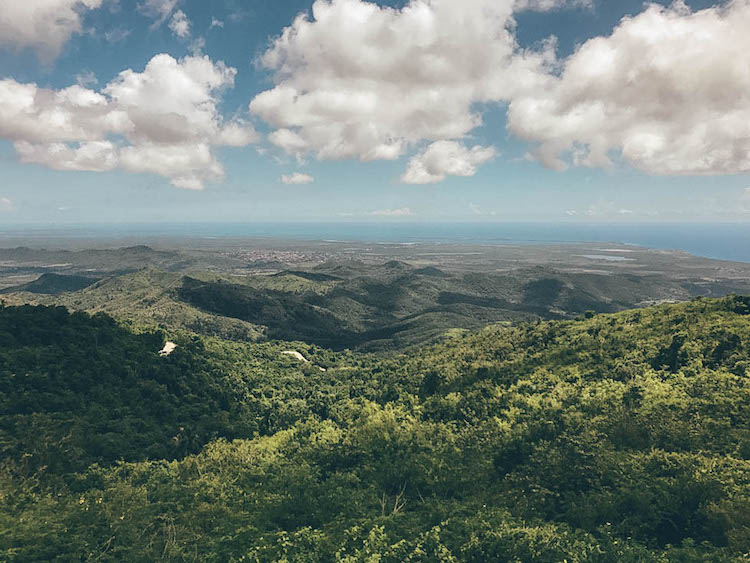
(558, 111)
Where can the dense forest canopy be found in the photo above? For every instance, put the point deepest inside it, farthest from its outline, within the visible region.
(622, 437)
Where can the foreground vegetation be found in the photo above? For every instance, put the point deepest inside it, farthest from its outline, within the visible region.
(621, 437)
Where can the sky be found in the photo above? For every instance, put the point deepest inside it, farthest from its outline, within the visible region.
(577, 111)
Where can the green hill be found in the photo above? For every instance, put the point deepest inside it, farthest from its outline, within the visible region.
(348, 305)
(354, 305)
(145, 299)
(53, 284)
(622, 437)
(75, 390)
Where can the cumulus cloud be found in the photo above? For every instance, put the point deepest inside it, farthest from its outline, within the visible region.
(188, 166)
(43, 25)
(6, 204)
(180, 24)
(668, 90)
(163, 120)
(446, 158)
(95, 156)
(403, 212)
(297, 179)
(359, 80)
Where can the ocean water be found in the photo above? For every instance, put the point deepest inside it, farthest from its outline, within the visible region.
(720, 241)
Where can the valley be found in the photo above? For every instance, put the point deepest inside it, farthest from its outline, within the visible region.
(365, 296)
(333, 402)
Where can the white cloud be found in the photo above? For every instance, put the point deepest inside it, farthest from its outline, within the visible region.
(550, 5)
(216, 23)
(188, 166)
(43, 25)
(29, 113)
(601, 209)
(595, 209)
(158, 10)
(86, 78)
(669, 90)
(95, 156)
(163, 120)
(446, 158)
(403, 212)
(180, 24)
(358, 80)
(480, 211)
(6, 204)
(236, 133)
(297, 178)
(116, 35)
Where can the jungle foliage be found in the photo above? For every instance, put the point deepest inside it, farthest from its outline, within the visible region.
(622, 437)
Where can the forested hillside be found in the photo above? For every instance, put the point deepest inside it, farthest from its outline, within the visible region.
(53, 284)
(622, 437)
(76, 390)
(354, 305)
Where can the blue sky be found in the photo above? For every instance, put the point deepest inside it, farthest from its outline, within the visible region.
(511, 176)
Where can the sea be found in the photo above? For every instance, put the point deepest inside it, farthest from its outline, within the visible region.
(719, 241)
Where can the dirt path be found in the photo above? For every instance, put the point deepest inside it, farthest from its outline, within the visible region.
(297, 355)
(169, 347)
(300, 357)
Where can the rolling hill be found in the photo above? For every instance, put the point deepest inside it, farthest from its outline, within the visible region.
(144, 299)
(350, 304)
(53, 284)
(343, 305)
